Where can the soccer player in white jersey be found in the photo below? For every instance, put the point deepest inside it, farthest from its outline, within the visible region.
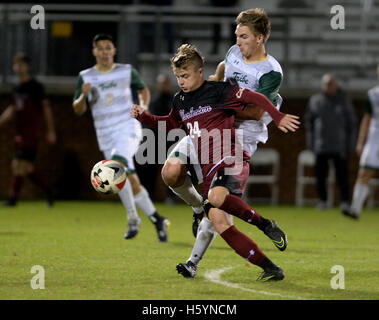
(368, 150)
(252, 67)
(107, 89)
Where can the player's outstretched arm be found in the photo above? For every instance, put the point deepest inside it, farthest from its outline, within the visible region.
(289, 123)
(151, 120)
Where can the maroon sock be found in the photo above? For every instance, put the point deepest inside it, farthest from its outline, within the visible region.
(16, 185)
(240, 209)
(38, 181)
(243, 245)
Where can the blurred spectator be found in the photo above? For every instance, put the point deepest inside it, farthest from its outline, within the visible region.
(30, 108)
(331, 127)
(217, 26)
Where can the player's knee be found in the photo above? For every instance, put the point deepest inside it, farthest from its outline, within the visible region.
(219, 221)
(216, 196)
(365, 175)
(173, 173)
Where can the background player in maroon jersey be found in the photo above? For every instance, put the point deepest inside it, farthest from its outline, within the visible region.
(29, 108)
(202, 106)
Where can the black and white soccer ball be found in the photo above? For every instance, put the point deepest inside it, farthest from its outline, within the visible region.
(108, 176)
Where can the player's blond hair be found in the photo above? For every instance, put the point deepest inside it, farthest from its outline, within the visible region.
(256, 20)
(187, 54)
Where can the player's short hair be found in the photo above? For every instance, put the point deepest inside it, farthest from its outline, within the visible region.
(187, 54)
(21, 56)
(102, 36)
(256, 20)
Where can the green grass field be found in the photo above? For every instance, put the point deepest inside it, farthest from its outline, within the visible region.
(80, 245)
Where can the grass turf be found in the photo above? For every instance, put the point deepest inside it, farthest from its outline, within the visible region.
(81, 248)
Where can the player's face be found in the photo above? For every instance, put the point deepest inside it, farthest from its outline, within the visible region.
(20, 68)
(189, 78)
(247, 41)
(104, 52)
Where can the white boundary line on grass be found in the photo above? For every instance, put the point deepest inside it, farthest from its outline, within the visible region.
(215, 276)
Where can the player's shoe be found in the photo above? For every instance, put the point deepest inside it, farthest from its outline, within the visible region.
(271, 274)
(197, 217)
(351, 214)
(161, 225)
(49, 198)
(277, 236)
(187, 270)
(133, 228)
(9, 203)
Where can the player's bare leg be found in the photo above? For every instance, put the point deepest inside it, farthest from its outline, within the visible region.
(361, 191)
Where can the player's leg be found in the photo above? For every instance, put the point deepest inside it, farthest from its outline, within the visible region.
(17, 182)
(180, 173)
(144, 202)
(127, 199)
(360, 192)
(205, 235)
(321, 171)
(239, 242)
(341, 169)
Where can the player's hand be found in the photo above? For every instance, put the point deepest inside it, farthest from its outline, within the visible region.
(212, 77)
(289, 122)
(86, 87)
(136, 111)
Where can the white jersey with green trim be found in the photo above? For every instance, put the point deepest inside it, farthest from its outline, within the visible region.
(248, 76)
(110, 101)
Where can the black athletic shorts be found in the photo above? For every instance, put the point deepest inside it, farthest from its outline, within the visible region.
(28, 154)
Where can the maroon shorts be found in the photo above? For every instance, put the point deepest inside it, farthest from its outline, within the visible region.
(219, 177)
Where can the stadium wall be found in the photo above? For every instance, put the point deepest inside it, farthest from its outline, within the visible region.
(68, 163)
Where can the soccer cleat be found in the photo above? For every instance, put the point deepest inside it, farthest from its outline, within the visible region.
(133, 228)
(277, 236)
(271, 274)
(161, 225)
(187, 270)
(49, 198)
(350, 214)
(197, 217)
(9, 203)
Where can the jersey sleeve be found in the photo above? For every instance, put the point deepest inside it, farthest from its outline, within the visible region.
(78, 90)
(269, 85)
(136, 82)
(172, 120)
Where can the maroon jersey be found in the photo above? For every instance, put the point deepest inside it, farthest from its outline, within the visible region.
(27, 99)
(207, 115)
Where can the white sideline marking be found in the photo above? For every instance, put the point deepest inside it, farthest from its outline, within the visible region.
(215, 276)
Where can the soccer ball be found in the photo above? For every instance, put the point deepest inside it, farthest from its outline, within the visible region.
(108, 176)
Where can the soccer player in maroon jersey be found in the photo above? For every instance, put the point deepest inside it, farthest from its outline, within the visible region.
(30, 107)
(202, 107)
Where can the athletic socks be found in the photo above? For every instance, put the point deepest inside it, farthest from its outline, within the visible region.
(143, 201)
(243, 245)
(240, 209)
(16, 185)
(127, 199)
(189, 194)
(205, 236)
(360, 194)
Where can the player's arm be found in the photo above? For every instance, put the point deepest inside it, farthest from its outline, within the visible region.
(219, 74)
(283, 121)
(364, 127)
(144, 97)
(80, 98)
(49, 121)
(143, 116)
(7, 114)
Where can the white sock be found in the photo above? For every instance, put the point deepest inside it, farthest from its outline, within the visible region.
(205, 236)
(127, 199)
(189, 194)
(143, 201)
(359, 197)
